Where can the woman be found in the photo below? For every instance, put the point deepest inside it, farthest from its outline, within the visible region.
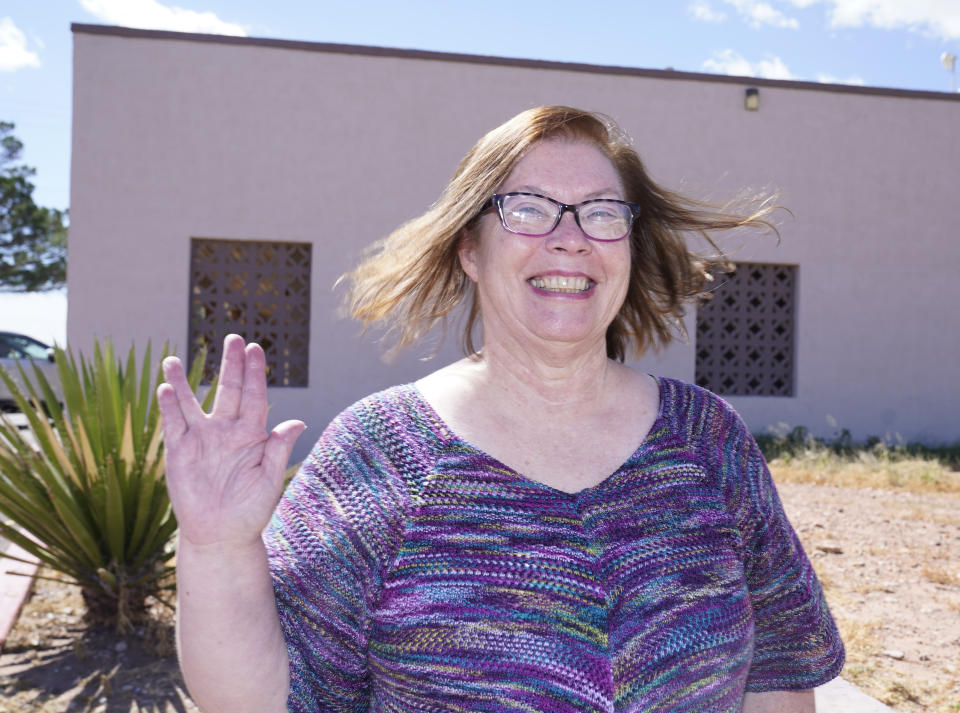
(536, 527)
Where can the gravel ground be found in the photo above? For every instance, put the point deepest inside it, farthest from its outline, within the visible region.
(52, 663)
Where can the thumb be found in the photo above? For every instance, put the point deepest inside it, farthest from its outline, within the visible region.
(276, 452)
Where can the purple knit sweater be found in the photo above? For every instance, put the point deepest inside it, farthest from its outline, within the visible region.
(414, 572)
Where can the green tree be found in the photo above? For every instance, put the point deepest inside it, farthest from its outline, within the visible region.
(33, 240)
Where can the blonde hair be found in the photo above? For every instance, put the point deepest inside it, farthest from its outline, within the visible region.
(412, 279)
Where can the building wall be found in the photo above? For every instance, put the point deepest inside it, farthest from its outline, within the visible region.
(175, 138)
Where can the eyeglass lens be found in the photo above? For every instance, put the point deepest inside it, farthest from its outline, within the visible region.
(533, 215)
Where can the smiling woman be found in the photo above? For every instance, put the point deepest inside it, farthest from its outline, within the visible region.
(413, 278)
(562, 285)
(534, 527)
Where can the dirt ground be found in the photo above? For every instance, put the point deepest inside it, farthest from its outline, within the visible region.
(52, 663)
(890, 563)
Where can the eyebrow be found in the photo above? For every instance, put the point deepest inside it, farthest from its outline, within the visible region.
(602, 193)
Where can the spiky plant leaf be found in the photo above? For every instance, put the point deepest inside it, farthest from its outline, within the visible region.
(82, 488)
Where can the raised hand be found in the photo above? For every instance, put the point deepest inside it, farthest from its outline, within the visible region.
(224, 471)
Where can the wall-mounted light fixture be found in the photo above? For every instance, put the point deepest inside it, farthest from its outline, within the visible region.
(751, 99)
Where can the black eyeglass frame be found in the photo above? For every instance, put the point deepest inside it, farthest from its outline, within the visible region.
(496, 201)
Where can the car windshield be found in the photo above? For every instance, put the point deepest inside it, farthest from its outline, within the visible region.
(15, 346)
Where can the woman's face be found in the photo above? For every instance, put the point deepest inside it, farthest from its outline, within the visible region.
(558, 288)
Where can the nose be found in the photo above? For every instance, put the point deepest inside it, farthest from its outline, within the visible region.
(567, 236)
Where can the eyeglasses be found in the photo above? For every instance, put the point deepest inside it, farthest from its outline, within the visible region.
(533, 215)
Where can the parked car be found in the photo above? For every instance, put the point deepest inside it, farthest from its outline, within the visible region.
(19, 347)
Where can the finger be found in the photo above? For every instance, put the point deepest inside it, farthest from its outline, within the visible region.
(253, 398)
(174, 424)
(230, 383)
(176, 377)
(279, 445)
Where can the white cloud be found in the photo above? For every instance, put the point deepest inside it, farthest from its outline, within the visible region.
(701, 10)
(937, 17)
(151, 15)
(730, 62)
(830, 79)
(758, 14)
(14, 54)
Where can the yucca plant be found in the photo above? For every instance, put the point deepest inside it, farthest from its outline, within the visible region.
(86, 494)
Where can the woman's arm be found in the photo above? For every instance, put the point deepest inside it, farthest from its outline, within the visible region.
(779, 702)
(225, 475)
(232, 651)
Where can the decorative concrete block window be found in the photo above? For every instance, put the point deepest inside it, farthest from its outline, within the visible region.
(746, 332)
(258, 289)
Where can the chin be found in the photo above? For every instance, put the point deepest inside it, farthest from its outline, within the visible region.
(572, 337)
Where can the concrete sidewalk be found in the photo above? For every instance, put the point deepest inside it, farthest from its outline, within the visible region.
(841, 696)
(16, 579)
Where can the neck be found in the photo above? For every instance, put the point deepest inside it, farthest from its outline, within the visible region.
(567, 375)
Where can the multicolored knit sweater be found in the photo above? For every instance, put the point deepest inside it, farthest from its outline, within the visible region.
(414, 572)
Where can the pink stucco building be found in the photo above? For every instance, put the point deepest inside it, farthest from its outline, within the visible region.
(206, 174)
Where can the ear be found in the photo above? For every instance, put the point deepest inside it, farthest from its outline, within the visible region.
(467, 247)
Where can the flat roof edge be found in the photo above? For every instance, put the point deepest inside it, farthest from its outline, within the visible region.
(374, 51)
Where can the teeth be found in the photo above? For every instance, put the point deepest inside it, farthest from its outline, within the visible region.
(559, 283)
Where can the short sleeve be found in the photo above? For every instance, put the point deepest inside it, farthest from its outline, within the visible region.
(328, 542)
(796, 642)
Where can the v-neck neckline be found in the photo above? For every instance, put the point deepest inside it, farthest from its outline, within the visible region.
(451, 437)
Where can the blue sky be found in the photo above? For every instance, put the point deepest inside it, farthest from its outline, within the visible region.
(883, 43)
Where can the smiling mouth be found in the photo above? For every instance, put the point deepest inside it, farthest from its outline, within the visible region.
(560, 283)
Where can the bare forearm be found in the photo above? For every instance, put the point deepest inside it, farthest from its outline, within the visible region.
(231, 647)
(779, 702)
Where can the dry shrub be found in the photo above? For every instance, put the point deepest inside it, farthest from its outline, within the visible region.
(859, 638)
(940, 575)
(900, 692)
(878, 467)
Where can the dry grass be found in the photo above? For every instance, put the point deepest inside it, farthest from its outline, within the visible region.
(951, 518)
(870, 588)
(900, 691)
(877, 467)
(953, 604)
(940, 575)
(859, 638)
(862, 644)
(936, 567)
